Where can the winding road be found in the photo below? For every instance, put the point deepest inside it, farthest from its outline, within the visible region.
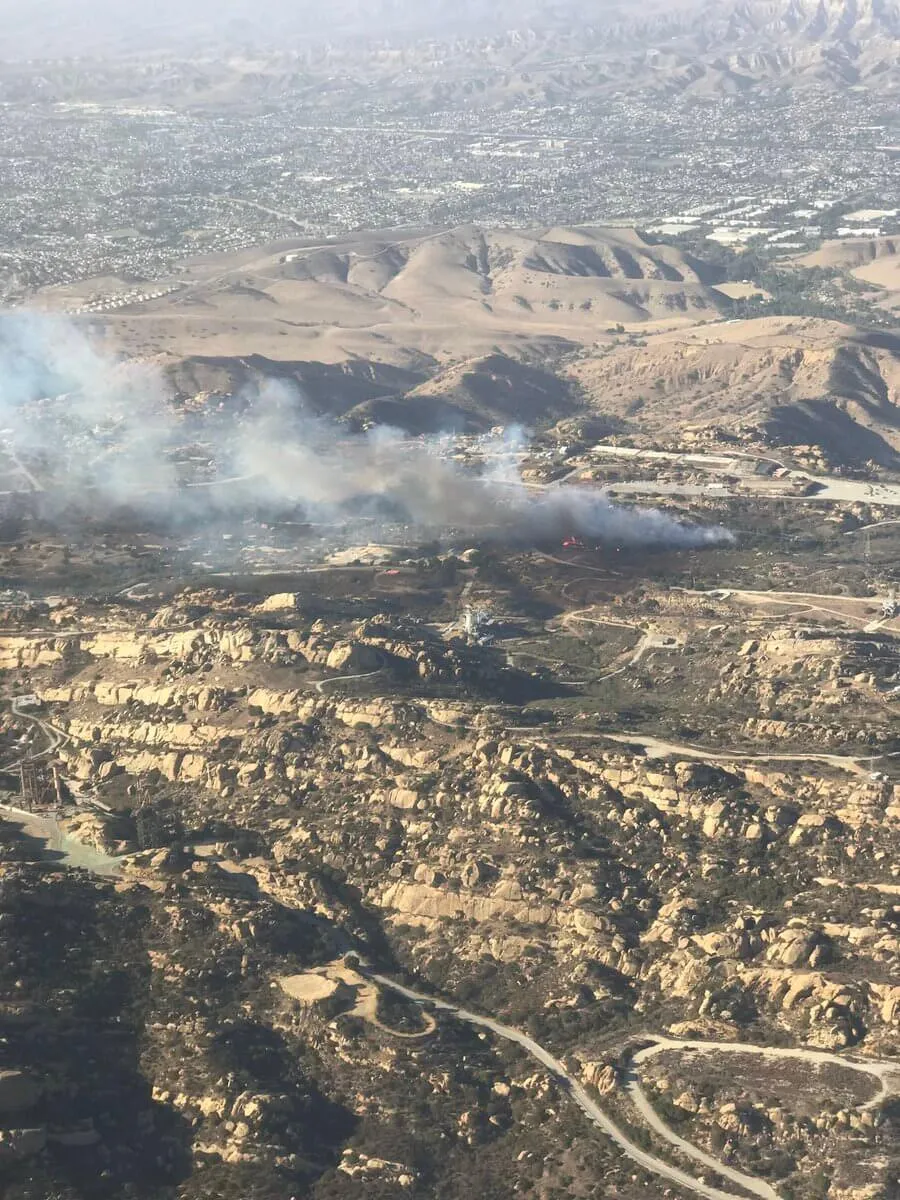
(579, 1094)
(55, 737)
(639, 1099)
(888, 1075)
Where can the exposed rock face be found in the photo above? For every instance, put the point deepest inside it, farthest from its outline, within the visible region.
(518, 861)
(280, 602)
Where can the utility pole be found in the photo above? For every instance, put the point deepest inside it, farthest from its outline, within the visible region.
(32, 785)
(57, 786)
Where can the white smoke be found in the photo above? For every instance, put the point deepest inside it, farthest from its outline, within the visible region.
(310, 463)
(94, 430)
(83, 420)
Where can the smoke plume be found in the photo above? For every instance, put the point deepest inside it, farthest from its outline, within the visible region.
(93, 432)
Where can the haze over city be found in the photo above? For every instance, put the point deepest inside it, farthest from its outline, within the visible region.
(449, 602)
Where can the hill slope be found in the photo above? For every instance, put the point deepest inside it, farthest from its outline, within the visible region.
(458, 294)
(785, 381)
(475, 327)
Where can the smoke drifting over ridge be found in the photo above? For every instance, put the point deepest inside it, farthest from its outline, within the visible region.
(96, 433)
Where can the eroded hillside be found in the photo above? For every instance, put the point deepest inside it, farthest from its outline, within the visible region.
(776, 381)
(643, 811)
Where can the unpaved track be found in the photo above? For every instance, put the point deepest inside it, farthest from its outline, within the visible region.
(638, 1098)
(569, 562)
(633, 656)
(323, 683)
(55, 737)
(576, 1090)
(874, 525)
(655, 748)
(803, 602)
(887, 1073)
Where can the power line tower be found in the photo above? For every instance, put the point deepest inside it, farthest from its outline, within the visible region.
(147, 828)
(154, 828)
(57, 787)
(146, 819)
(33, 785)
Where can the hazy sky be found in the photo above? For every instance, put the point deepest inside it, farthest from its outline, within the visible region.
(55, 28)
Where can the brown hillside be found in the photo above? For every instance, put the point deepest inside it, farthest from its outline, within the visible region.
(786, 381)
(465, 293)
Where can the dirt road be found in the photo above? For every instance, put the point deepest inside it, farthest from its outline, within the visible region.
(655, 748)
(888, 1075)
(577, 1092)
(323, 683)
(55, 737)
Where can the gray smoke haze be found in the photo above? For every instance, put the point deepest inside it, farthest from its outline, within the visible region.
(95, 433)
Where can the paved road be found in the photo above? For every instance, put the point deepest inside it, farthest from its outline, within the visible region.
(575, 1089)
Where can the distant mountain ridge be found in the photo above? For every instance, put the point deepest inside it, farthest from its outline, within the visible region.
(565, 48)
(708, 46)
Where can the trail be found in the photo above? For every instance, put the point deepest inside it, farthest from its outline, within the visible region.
(22, 469)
